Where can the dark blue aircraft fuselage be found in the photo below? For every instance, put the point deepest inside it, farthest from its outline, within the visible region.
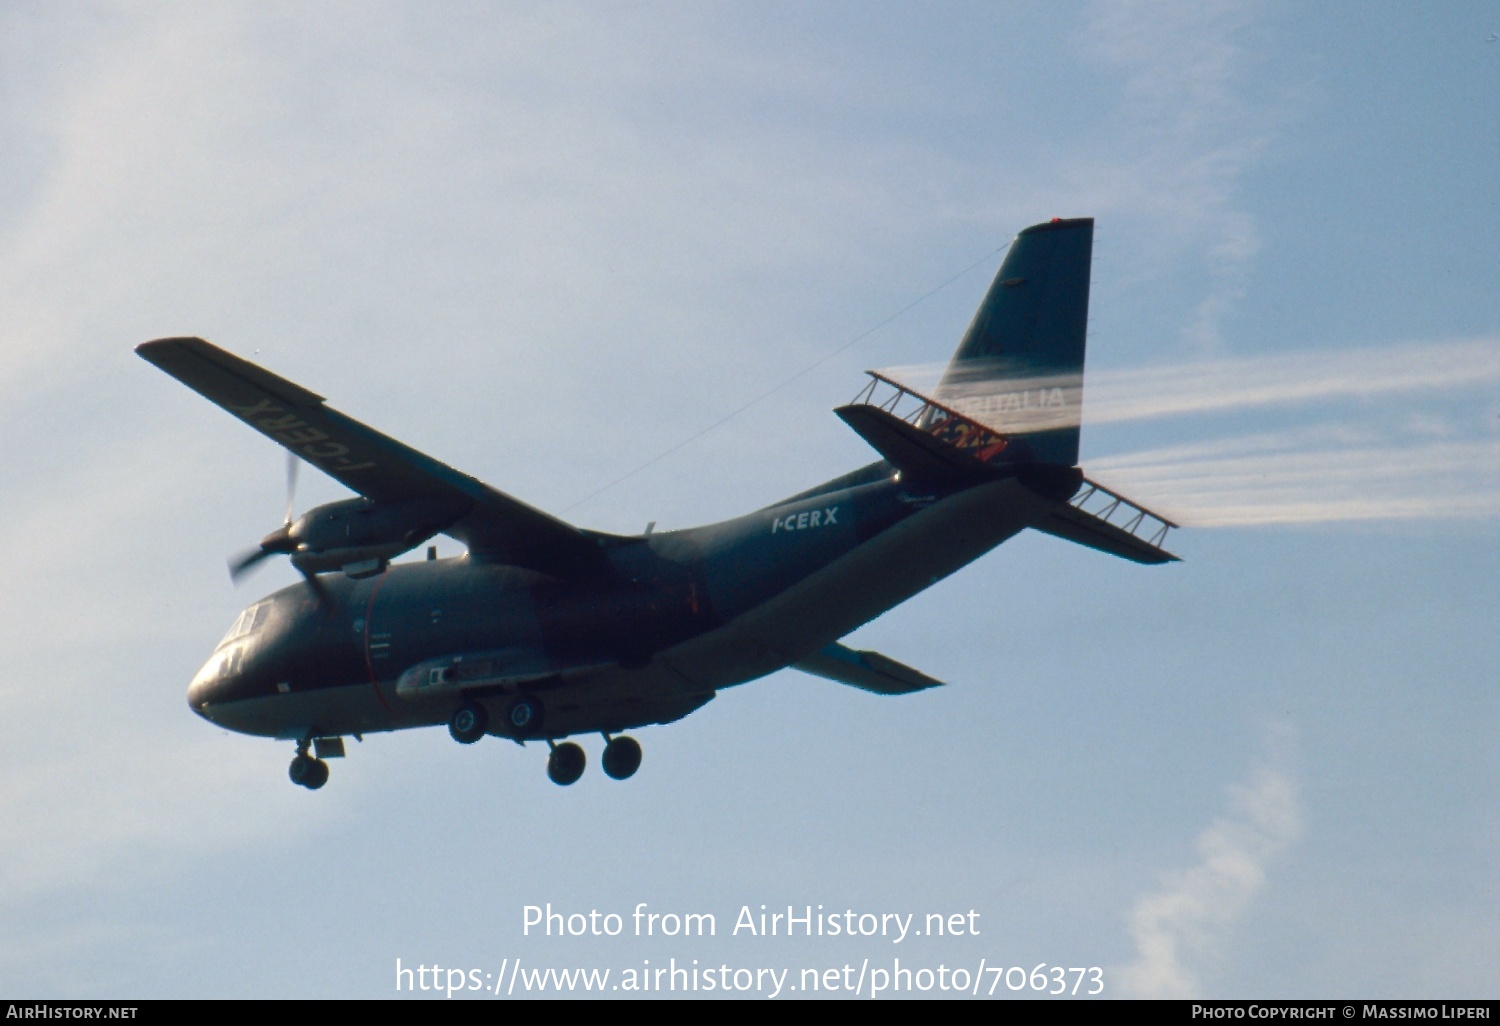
(621, 650)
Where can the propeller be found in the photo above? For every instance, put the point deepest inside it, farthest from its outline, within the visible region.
(292, 465)
(280, 541)
(357, 535)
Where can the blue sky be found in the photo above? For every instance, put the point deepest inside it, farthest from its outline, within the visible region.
(545, 244)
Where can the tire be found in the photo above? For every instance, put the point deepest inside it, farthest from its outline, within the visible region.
(566, 763)
(318, 776)
(622, 757)
(468, 723)
(524, 716)
(301, 770)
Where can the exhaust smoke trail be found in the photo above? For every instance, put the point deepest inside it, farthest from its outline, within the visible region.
(1377, 454)
(1291, 379)
(1239, 482)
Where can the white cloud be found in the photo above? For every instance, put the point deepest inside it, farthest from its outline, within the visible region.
(1179, 929)
(1184, 138)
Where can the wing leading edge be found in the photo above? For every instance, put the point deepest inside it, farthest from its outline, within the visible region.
(495, 526)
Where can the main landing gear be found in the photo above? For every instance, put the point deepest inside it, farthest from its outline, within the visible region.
(467, 725)
(470, 721)
(565, 764)
(622, 757)
(524, 716)
(523, 719)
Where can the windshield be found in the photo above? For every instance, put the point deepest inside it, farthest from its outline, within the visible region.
(244, 624)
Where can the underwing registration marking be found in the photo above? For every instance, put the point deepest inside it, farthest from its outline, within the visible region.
(295, 433)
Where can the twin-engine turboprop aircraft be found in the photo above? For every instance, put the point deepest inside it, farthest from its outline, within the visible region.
(543, 631)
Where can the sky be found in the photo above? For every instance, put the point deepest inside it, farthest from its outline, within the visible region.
(556, 245)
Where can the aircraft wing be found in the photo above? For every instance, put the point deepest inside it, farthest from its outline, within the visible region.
(496, 526)
(868, 671)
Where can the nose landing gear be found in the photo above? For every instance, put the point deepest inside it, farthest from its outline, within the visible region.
(305, 771)
(310, 771)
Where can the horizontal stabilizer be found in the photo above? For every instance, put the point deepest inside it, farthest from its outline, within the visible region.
(929, 439)
(868, 671)
(951, 449)
(1116, 525)
(908, 448)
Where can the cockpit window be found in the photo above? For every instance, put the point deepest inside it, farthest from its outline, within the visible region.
(245, 624)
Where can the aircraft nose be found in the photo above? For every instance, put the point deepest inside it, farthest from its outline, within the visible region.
(200, 690)
(197, 699)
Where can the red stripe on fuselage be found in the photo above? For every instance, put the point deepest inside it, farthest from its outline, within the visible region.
(370, 622)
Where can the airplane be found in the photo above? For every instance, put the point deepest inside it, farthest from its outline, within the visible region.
(542, 631)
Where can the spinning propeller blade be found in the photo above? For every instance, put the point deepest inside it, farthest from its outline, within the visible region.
(292, 463)
(278, 542)
(245, 562)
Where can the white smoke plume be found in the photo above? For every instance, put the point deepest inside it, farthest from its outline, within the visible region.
(1291, 379)
(1290, 479)
(1378, 453)
(1221, 386)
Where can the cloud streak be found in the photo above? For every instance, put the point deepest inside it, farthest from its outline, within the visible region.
(1179, 928)
(1188, 137)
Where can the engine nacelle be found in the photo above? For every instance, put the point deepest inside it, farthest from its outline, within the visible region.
(361, 535)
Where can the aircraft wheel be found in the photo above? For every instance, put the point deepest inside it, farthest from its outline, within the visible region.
(305, 771)
(622, 757)
(565, 764)
(300, 769)
(468, 723)
(525, 717)
(318, 777)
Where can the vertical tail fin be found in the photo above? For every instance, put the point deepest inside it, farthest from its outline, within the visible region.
(1019, 368)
